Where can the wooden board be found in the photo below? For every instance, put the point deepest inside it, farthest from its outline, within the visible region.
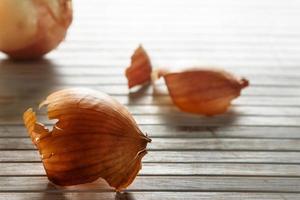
(250, 152)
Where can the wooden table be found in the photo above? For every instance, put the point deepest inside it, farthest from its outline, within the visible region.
(251, 152)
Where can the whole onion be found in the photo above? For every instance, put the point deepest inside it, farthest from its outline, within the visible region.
(31, 28)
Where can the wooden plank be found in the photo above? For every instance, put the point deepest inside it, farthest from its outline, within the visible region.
(161, 183)
(176, 47)
(11, 102)
(76, 81)
(256, 80)
(150, 196)
(60, 67)
(111, 66)
(187, 144)
(192, 57)
(118, 90)
(234, 110)
(191, 131)
(187, 120)
(240, 110)
(181, 156)
(176, 169)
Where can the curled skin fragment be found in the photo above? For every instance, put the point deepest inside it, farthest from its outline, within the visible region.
(95, 136)
(139, 72)
(32, 28)
(203, 91)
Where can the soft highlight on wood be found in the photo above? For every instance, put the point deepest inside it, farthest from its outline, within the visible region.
(95, 136)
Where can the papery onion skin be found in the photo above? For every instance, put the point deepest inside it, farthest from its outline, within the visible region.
(203, 91)
(95, 136)
(32, 28)
(139, 72)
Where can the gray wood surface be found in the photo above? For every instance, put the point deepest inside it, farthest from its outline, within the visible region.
(150, 196)
(251, 152)
(181, 156)
(188, 144)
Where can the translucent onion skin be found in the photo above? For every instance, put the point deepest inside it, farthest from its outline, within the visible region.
(95, 136)
(204, 91)
(139, 72)
(32, 28)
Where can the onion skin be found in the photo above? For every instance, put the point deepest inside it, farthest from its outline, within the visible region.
(34, 28)
(95, 136)
(139, 72)
(203, 91)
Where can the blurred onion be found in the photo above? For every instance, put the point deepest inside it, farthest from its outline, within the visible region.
(31, 28)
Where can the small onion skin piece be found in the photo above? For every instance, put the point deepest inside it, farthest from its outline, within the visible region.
(34, 28)
(139, 72)
(203, 91)
(95, 136)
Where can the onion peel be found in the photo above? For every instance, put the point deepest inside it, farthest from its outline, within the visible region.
(139, 72)
(204, 91)
(198, 90)
(95, 136)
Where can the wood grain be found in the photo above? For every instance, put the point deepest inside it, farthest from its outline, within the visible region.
(180, 156)
(250, 152)
(187, 144)
(150, 196)
(160, 183)
(176, 169)
(16, 131)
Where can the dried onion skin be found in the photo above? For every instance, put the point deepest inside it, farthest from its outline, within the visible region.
(204, 91)
(95, 136)
(139, 72)
(32, 28)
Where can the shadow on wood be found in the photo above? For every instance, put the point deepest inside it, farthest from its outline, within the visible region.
(58, 194)
(124, 196)
(23, 81)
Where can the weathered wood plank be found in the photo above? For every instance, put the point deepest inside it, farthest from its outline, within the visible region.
(68, 81)
(190, 58)
(234, 110)
(256, 80)
(176, 169)
(118, 90)
(11, 104)
(190, 131)
(113, 66)
(151, 196)
(240, 110)
(161, 183)
(187, 120)
(180, 156)
(187, 144)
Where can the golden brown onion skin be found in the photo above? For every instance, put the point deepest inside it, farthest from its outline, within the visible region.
(32, 28)
(139, 72)
(203, 91)
(95, 136)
